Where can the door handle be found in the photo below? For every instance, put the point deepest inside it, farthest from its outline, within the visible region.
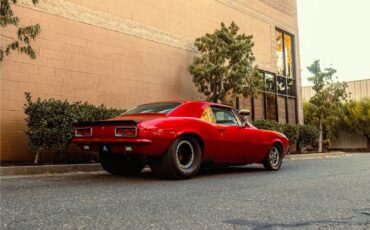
(221, 130)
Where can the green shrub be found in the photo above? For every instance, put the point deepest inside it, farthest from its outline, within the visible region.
(308, 135)
(291, 131)
(294, 132)
(50, 121)
(268, 125)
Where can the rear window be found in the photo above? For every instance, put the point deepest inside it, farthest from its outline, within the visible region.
(154, 108)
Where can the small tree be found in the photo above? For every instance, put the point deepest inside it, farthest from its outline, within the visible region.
(225, 65)
(24, 33)
(324, 109)
(356, 117)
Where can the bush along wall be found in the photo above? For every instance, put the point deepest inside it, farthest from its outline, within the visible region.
(50, 121)
(303, 135)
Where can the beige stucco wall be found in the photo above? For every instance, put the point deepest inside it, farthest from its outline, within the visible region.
(123, 53)
(349, 140)
(356, 90)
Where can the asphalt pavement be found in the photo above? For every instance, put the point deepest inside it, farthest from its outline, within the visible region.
(330, 193)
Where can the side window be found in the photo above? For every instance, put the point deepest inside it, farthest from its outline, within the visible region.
(207, 115)
(225, 116)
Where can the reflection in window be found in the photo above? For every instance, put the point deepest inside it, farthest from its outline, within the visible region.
(281, 86)
(279, 53)
(290, 87)
(208, 115)
(288, 56)
(271, 106)
(270, 82)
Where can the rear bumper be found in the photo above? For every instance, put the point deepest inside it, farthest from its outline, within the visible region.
(111, 140)
(132, 146)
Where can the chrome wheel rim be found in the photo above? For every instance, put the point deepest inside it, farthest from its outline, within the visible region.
(185, 154)
(274, 156)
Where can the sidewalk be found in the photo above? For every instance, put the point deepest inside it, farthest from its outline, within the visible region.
(48, 169)
(311, 156)
(75, 168)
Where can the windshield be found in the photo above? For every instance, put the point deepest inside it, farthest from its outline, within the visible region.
(154, 108)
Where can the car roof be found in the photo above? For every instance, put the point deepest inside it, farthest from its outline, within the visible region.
(191, 101)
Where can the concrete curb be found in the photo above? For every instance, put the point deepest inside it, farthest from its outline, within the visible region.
(48, 169)
(313, 156)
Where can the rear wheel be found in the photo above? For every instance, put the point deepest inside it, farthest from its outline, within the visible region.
(120, 165)
(182, 160)
(273, 158)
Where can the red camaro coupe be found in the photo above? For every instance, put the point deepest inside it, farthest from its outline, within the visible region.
(176, 138)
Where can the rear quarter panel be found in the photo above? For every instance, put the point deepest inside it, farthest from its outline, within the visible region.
(164, 131)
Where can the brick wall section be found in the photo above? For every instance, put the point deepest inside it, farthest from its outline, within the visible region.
(81, 60)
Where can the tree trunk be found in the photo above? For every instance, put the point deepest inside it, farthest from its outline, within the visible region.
(320, 137)
(37, 157)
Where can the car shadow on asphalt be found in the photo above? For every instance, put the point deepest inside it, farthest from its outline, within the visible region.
(103, 177)
(204, 173)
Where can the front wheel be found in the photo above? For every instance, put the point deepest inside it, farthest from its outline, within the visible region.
(182, 160)
(117, 164)
(273, 158)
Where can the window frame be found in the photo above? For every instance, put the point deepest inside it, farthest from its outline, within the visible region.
(238, 121)
(285, 79)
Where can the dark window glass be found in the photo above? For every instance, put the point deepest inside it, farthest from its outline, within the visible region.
(154, 108)
(225, 116)
(270, 82)
(271, 109)
(279, 53)
(288, 55)
(281, 85)
(290, 87)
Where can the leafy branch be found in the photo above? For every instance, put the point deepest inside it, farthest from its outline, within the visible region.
(25, 34)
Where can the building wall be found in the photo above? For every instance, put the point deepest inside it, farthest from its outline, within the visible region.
(356, 90)
(123, 53)
(348, 140)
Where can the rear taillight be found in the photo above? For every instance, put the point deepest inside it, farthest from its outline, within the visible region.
(83, 132)
(126, 131)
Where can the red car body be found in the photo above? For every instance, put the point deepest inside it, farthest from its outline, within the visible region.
(154, 133)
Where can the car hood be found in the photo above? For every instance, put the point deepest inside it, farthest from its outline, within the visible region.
(275, 133)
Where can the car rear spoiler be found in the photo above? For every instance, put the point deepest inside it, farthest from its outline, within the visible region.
(106, 122)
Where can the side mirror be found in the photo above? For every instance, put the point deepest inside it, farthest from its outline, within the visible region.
(244, 113)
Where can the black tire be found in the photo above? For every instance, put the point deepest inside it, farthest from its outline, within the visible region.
(117, 164)
(273, 158)
(182, 160)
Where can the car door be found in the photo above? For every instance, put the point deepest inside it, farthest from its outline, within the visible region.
(253, 147)
(230, 144)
